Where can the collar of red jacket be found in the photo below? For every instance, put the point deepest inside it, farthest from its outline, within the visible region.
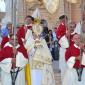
(29, 26)
(4, 41)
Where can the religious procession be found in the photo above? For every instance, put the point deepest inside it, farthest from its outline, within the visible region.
(42, 42)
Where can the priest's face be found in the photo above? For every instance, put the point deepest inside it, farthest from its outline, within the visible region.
(0, 25)
(13, 40)
(10, 28)
(84, 48)
(72, 27)
(44, 23)
(65, 21)
(83, 27)
(28, 21)
(83, 16)
(76, 39)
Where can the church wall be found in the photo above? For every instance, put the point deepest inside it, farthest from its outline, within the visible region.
(73, 11)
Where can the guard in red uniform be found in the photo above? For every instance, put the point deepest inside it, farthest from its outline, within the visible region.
(6, 61)
(62, 35)
(21, 33)
(75, 71)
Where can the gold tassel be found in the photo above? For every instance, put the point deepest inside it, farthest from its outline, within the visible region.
(28, 74)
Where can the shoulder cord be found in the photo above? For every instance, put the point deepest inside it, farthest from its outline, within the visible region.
(14, 75)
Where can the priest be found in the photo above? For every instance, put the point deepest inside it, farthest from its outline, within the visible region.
(25, 38)
(62, 35)
(21, 62)
(6, 60)
(73, 56)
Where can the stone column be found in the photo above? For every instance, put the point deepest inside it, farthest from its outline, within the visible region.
(20, 12)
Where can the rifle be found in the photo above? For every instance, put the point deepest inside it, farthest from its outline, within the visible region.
(14, 72)
(80, 70)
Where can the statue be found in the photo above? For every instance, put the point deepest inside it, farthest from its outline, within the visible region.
(2, 8)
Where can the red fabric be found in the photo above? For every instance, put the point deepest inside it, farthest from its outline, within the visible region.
(4, 41)
(61, 31)
(73, 51)
(23, 51)
(71, 37)
(21, 34)
(29, 27)
(6, 52)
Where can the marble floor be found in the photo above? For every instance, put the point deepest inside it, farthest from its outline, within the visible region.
(56, 72)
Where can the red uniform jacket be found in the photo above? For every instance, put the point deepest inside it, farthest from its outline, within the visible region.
(23, 50)
(73, 51)
(61, 35)
(71, 37)
(6, 51)
(21, 34)
(61, 30)
(4, 41)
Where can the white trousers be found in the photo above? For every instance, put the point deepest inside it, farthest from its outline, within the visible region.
(5, 78)
(62, 62)
(71, 77)
(20, 80)
(36, 77)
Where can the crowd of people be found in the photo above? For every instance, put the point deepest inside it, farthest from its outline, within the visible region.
(71, 38)
(26, 56)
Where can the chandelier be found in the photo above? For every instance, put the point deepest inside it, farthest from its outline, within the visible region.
(72, 1)
(51, 5)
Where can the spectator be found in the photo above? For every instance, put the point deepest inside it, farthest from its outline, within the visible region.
(8, 30)
(56, 45)
(0, 33)
(45, 29)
